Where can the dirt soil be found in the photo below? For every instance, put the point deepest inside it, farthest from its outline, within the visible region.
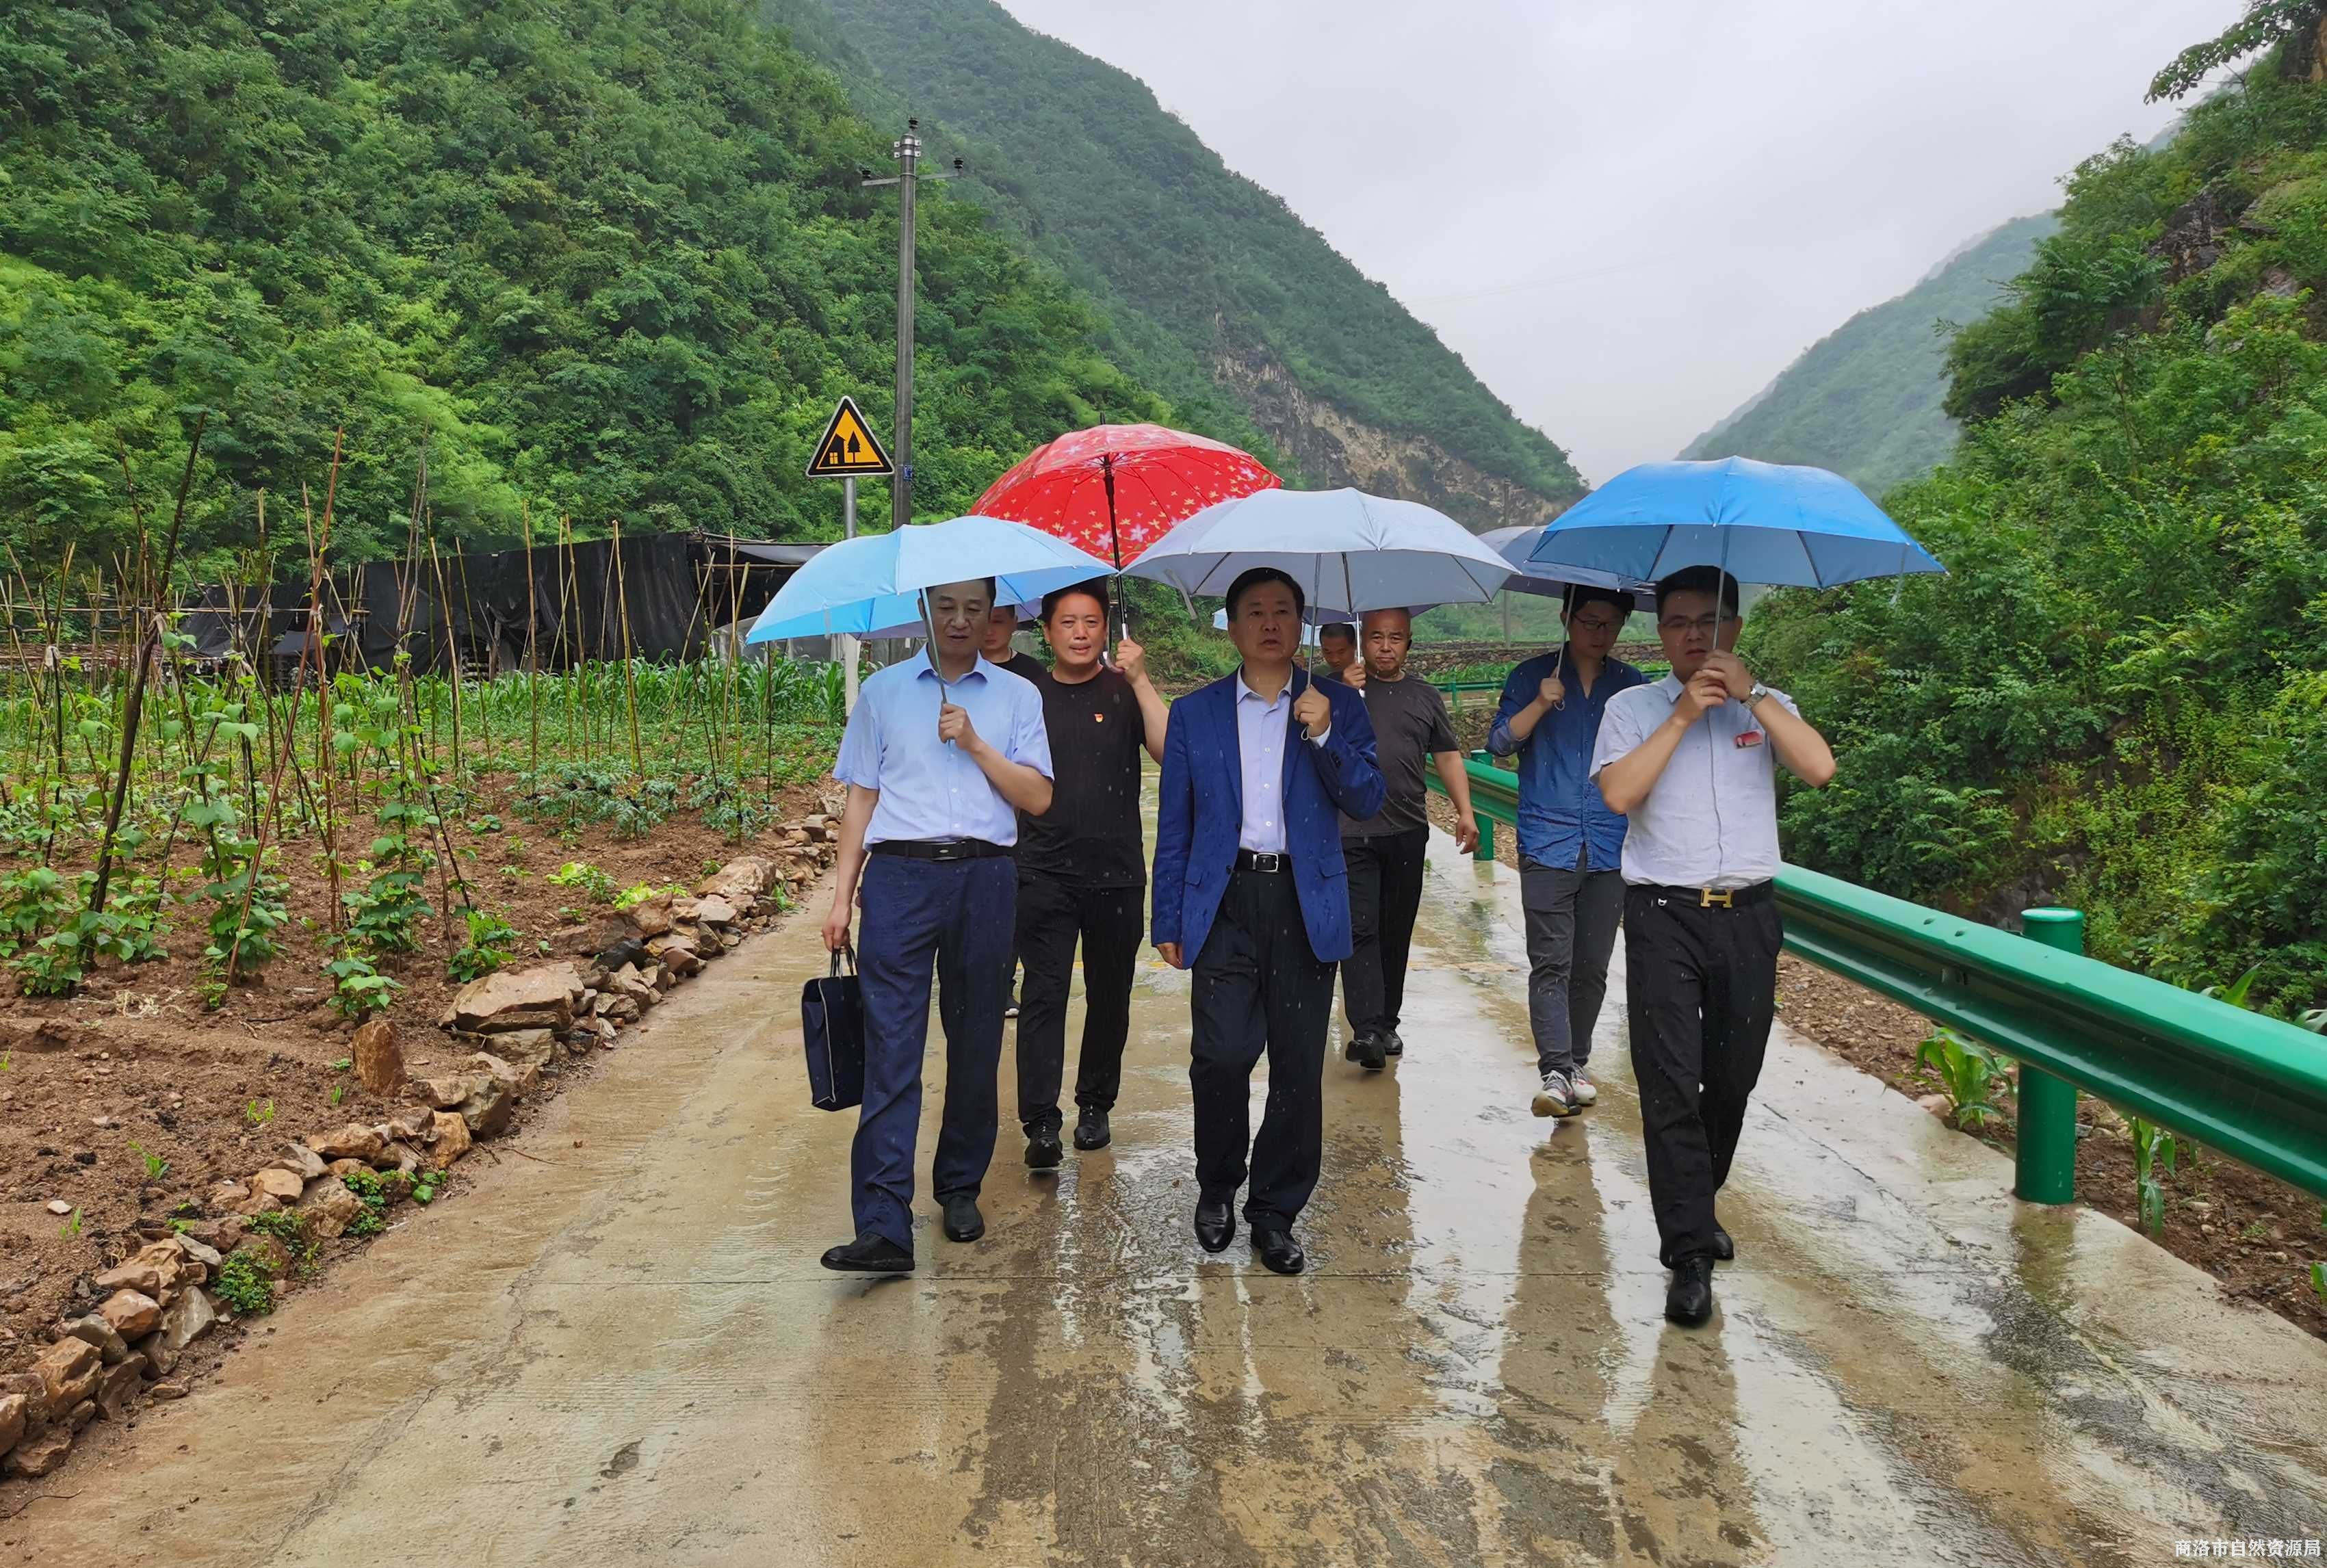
(96, 1088)
(2255, 1235)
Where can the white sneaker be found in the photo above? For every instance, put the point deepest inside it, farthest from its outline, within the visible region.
(1557, 1097)
(1580, 1089)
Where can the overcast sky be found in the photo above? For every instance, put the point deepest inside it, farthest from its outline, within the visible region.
(1628, 217)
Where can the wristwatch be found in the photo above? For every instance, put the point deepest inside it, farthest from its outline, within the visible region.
(1755, 696)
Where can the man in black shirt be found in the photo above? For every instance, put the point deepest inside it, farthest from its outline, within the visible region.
(1082, 869)
(993, 647)
(1385, 851)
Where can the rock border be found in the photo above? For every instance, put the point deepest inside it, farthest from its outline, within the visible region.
(125, 1337)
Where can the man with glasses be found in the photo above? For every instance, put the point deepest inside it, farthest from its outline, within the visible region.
(1569, 840)
(1691, 760)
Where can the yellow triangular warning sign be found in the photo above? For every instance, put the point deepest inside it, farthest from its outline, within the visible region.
(849, 449)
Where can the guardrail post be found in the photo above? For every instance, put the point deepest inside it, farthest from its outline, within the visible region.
(2046, 1169)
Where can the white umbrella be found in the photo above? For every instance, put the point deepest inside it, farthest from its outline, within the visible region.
(1350, 552)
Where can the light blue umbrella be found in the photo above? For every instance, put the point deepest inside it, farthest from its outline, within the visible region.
(1350, 552)
(871, 585)
(1760, 522)
(1514, 544)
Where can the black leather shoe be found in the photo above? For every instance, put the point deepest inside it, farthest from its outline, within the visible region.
(1365, 1050)
(869, 1253)
(1043, 1150)
(1091, 1131)
(1723, 1248)
(963, 1222)
(1689, 1302)
(1278, 1251)
(1393, 1044)
(1215, 1225)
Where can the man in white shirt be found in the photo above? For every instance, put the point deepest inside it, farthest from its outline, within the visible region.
(1691, 761)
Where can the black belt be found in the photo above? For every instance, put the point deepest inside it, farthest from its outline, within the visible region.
(1745, 898)
(1266, 864)
(940, 848)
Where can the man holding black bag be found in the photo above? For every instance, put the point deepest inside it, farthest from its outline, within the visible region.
(941, 754)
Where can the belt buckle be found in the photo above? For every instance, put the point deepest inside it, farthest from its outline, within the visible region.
(954, 850)
(1270, 862)
(1709, 897)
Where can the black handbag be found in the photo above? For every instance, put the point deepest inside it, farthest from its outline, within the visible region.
(832, 1022)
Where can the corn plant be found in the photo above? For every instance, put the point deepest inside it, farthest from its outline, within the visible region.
(2153, 1146)
(1967, 1070)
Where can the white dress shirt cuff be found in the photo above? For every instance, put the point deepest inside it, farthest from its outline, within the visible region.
(1319, 738)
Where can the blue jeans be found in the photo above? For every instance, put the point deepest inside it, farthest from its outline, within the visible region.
(921, 917)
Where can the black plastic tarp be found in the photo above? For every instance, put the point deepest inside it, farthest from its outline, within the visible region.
(664, 597)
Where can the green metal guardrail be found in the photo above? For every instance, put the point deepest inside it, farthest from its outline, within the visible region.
(2253, 1088)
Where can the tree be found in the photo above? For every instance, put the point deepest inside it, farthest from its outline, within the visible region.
(2265, 23)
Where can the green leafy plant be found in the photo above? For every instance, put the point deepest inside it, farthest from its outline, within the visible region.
(1967, 1072)
(491, 943)
(71, 1226)
(2319, 1281)
(155, 1164)
(339, 1093)
(587, 879)
(244, 1285)
(287, 1225)
(2153, 1148)
(631, 897)
(359, 991)
(256, 1115)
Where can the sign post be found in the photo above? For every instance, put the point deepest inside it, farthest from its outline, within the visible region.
(849, 451)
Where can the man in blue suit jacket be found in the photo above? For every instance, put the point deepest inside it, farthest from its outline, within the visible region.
(1250, 892)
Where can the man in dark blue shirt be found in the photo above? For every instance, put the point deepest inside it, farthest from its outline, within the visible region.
(1570, 843)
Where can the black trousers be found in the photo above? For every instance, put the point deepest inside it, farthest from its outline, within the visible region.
(1701, 985)
(1052, 916)
(1385, 895)
(1258, 986)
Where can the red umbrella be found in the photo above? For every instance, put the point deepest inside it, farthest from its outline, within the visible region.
(1114, 490)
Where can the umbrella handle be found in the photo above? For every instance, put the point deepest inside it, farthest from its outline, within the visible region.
(929, 629)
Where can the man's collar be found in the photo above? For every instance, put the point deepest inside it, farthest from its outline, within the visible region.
(978, 667)
(1244, 691)
(1670, 687)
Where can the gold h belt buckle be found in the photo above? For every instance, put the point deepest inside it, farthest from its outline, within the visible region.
(1709, 897)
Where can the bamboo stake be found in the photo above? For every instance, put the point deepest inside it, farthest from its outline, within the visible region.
(532, 627)
(630, 680)
(130, 719)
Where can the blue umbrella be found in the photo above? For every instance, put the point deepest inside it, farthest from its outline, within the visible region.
(1514, 544)
(1760, 522)
(872, 585)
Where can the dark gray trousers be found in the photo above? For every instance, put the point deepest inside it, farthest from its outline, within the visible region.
(1572, 915)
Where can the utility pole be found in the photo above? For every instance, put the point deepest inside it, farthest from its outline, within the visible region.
(847, 643)
(907, 151)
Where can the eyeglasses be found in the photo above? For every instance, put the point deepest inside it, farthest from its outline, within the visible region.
(1598, 626)
(1705, 623)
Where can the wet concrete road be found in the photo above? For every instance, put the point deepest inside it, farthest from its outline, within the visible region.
(625, 1352)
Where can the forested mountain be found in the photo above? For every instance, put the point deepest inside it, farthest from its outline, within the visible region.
(1865, 400)
(604, 258)
(2118, 696)
(1214, 292)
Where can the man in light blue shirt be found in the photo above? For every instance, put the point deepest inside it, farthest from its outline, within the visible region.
(939, 758)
